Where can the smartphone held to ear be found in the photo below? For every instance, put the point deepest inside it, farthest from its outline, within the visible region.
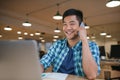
(82, 24)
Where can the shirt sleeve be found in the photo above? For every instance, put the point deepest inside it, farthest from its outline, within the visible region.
(96, 54)
(48, 58)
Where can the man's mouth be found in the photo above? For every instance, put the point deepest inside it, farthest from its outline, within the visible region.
(69, 32)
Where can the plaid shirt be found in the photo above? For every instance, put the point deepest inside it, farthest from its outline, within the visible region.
(58, 51)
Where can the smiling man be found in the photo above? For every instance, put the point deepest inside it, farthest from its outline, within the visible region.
(73, 54)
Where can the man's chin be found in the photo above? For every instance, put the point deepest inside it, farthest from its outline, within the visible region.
(72, 38)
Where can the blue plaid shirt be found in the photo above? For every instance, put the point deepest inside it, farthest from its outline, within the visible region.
(58, 51)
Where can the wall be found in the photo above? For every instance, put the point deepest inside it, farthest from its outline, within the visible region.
(107, 45)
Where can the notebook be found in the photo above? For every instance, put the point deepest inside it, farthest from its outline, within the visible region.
(19, 60)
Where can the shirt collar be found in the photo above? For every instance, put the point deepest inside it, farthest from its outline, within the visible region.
(77, 45)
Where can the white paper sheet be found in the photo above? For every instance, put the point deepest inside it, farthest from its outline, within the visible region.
(54, 76)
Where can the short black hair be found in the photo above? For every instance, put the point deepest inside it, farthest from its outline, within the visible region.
(78, 13)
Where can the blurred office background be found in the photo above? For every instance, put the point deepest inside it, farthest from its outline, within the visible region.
(38, 14)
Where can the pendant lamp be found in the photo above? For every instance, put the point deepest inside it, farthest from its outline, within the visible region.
(113, 3)
(57, 16)
(27, 23)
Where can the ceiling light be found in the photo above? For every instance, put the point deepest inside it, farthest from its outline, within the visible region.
(31, 34)
(8, 28)
(103, 33)
(20, 37)
(27, 24)
(43, 40)
(54, 40)
(0, 35)
(25, 33)
(86, 26)
(57, 16)
(93, 40)
(57, 30)
(88, 37)
(113, 3)
(19, 32)
(108, 36)
(93, 36)
(56, 36)
(37, 33)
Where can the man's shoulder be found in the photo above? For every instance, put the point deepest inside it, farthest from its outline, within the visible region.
(61, 41)
(92, 43)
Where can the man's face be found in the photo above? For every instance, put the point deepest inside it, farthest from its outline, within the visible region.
(70, 27)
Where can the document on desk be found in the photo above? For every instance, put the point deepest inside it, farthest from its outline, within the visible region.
(54, 76)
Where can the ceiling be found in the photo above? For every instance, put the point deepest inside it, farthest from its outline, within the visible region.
(98, 17)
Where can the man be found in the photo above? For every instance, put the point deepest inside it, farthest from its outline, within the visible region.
(74, 54)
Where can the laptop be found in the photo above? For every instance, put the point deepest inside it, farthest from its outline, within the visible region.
(19, 60)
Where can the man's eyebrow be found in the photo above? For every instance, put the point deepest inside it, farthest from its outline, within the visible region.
(69, 21)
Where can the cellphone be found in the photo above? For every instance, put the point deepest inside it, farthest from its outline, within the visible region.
(82, 24)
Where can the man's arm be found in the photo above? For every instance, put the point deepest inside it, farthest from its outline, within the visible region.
(41, 68)
(90, 67)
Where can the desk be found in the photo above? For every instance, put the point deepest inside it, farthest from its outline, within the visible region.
(110, 63)
(106, 66)
(62, 76)
(73, 77)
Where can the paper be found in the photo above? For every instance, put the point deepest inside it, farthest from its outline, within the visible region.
(54, 76)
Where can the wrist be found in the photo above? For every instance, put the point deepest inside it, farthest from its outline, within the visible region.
(84, 39)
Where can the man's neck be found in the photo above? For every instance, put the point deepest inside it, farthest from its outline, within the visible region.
(73, 42)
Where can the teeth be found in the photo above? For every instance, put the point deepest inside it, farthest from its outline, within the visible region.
(69, 32)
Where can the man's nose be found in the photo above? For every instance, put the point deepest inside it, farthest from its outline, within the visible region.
(69, 27)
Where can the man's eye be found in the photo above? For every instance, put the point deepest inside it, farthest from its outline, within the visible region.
(64, 24)
(72, 24)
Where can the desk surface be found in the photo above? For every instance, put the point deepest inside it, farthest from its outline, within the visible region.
(57, 76)
(73, 77)
(110, 62)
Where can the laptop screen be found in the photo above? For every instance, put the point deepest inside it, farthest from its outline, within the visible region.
(19, 60)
